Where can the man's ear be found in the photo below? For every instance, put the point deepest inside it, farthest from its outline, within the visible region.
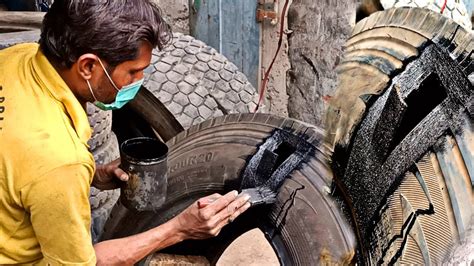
(87, 64)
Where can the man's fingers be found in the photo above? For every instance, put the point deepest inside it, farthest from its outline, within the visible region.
(241, 210)
(221, 203)
(204, 202)
(120, 174)
(233, 207)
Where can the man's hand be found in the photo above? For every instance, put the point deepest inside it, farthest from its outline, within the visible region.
(202, 219)
(108, 176)
(206, 217)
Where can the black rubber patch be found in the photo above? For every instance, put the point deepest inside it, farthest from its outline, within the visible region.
(275, 159)
(423, 103)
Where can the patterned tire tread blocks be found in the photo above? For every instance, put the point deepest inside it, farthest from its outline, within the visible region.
(401, 127)
(101, 123)
(102, 201)
(196, 83)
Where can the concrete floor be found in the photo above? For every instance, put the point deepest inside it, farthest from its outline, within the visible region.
(251, 249)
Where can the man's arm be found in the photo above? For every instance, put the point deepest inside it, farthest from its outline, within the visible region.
(192, 223)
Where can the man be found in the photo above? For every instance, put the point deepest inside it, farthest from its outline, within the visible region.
(89, 51)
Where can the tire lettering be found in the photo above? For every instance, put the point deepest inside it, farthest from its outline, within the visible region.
(201, 158)
(192, 160)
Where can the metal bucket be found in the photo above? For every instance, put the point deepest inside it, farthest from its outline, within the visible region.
(145, 161)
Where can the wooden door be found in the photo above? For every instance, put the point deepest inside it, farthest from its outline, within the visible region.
(230, 26)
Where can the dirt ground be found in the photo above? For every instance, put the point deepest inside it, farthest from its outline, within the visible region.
(250, 249)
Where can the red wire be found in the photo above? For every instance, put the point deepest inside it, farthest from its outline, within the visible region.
(444, 6)
(280, 41)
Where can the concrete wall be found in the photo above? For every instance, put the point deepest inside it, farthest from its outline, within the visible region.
(319, 31)
(304, 75)
(176, 13)
(276, 100)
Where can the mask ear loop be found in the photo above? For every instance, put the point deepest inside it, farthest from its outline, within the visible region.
(90, 89)
(108, 76)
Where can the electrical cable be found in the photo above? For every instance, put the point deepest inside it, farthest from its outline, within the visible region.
(444, 6)
(280, 41)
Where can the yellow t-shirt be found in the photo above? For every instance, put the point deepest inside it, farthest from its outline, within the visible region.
(45, 166)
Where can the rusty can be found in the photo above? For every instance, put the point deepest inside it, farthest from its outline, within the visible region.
(145, 161)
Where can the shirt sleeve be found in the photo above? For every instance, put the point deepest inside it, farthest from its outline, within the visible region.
(58, 204)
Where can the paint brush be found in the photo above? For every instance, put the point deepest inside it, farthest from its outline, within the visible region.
(258, 196)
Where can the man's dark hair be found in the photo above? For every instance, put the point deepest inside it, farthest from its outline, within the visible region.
(111, 29)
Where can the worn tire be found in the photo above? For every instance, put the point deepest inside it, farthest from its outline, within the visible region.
(455, 10)
(401, 124)
(101, 123)
(197, 83)
(102, 201)
(304, 226)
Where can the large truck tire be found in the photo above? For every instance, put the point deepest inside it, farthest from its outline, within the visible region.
(304, 226)
(197, 83)
(402, 131)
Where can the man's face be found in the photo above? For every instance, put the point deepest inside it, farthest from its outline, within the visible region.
(123, 74)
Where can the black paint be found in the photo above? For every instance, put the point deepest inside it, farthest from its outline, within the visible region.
(143, 149)
(275, 159)
(423, 103)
